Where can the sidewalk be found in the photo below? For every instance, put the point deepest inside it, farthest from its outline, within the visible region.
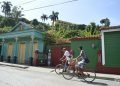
(51, 70)
(13, 65)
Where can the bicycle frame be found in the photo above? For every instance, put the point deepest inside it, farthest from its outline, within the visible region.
(87, 74)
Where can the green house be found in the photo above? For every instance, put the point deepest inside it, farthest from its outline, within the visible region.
(20, 43)
(110, 38)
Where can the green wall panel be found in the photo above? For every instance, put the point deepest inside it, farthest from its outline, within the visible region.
(87, 46)
(112, 49)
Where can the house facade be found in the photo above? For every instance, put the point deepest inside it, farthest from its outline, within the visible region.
(19, 44)
(110, 39)
(103, 52)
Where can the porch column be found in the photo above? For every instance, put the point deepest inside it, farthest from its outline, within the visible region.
(16, 50)
(2, 50)
(32, 37)
(31, 56)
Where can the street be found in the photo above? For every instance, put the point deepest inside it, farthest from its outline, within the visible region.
(13, 76)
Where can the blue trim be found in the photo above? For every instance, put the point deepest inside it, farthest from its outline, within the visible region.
(40, 45)
(21, 34)
(2, 49)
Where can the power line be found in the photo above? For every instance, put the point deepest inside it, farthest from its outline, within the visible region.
(51, 5)
(27, 2)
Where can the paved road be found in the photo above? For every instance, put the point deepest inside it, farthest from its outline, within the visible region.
(11, 76)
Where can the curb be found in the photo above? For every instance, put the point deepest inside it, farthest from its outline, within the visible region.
(13, 65)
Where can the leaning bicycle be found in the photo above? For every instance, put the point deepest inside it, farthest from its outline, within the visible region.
(87, 74)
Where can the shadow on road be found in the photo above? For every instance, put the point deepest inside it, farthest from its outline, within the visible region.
(96, 83)
(91, 83)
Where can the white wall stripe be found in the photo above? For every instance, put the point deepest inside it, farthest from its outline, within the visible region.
(103, 48)
(110, 30)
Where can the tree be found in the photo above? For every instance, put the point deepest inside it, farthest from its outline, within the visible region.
(44, 17)
(17, 13)
(35, 22)
(24, 20)
(91, 28)
(6, 8)
(88, 28)
(0, 3)
(7, 22)
(102, 21)
(105, 22)
(42, 26)
(54, 17)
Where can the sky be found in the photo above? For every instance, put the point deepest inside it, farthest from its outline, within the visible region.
(79, 12)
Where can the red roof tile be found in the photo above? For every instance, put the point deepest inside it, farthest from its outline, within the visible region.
(112, 27)
(85, 38)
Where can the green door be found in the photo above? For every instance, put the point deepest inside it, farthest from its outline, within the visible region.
(112, 48)
(21, 55)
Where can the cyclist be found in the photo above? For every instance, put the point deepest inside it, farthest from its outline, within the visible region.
(80, 60)
(66, 58)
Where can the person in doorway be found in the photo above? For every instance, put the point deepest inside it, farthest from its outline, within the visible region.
(35, 59)
(66, 57)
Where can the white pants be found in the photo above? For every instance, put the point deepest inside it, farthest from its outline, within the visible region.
(81, 64)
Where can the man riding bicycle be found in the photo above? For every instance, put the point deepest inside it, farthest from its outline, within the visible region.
(66, 58)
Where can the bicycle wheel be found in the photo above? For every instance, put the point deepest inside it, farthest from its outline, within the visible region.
(89, 75)
(69, 73)
(59, 69)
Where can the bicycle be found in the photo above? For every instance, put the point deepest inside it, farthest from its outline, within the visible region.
(87, 74)
(59, 68)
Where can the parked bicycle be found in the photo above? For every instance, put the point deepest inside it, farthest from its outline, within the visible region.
(87, 74)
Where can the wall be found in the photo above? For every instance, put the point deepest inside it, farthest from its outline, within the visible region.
(57, 53)
(87, 46)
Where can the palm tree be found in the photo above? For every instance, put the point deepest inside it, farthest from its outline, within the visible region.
(54, 17)
(44, 17)
(6, 8)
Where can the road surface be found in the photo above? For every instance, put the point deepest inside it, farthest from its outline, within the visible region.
(12, 76)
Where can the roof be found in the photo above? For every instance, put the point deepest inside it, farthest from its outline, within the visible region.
(21, 30)
(86, 38)
(24, 26)
(111, 27)
(26, 33)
